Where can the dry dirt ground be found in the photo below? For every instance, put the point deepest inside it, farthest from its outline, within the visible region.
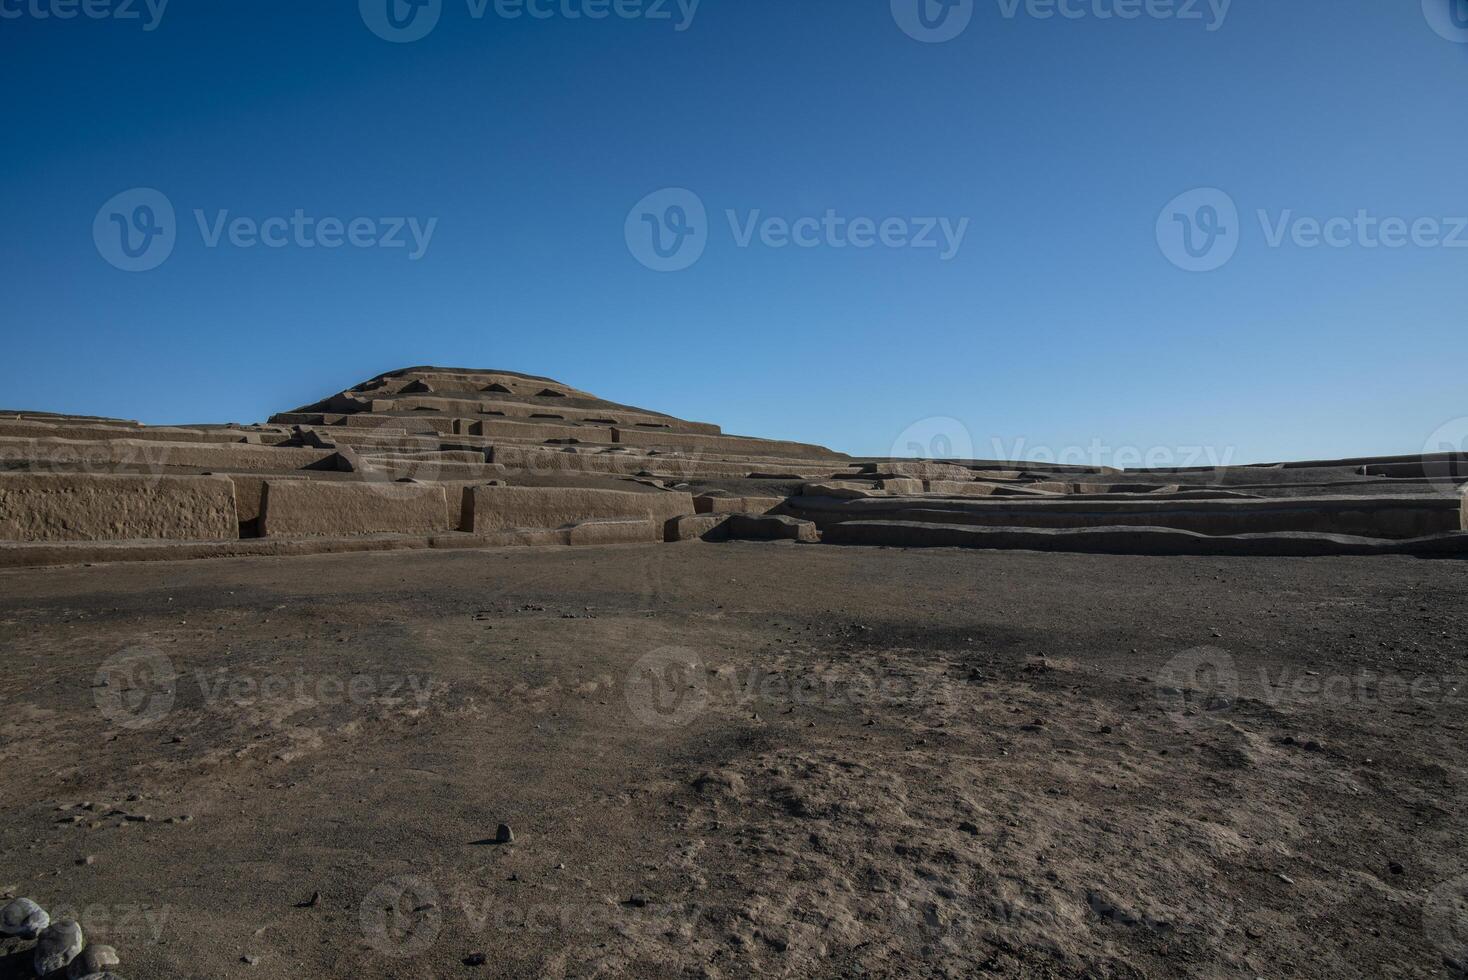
(742, 759)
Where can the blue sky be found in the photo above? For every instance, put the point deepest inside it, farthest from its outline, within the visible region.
(1065, 148)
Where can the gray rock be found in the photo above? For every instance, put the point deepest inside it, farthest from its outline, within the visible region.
(60, 943)
(93, 962)
(23, 918)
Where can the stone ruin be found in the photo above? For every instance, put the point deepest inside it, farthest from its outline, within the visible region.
(453, 458)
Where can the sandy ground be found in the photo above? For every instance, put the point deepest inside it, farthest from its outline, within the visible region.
(728, 760)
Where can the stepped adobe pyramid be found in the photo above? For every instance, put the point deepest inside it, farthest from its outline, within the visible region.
(432, 457)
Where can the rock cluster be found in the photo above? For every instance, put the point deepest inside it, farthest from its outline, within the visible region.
(59, 946)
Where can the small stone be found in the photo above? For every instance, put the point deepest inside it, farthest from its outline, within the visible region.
(250, 959)
(475, 959)
(504, 835)
(88, 859)
(1396, 868)
(93, 961)
(60, 943)
(637, 902)
(23, 918)
(969, 827)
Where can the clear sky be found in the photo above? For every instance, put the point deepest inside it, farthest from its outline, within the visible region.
(1042, 156)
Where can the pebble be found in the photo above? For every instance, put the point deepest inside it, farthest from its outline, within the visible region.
(23, 918)
(969, 827)
(93, 961)
(504, 835)
(475, 959)
(59, 944)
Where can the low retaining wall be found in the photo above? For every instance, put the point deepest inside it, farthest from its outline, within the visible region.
(84, 507)
(1376, 517)
(736, 505)
(304, 508)
(1138, 541)
(501, 508)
